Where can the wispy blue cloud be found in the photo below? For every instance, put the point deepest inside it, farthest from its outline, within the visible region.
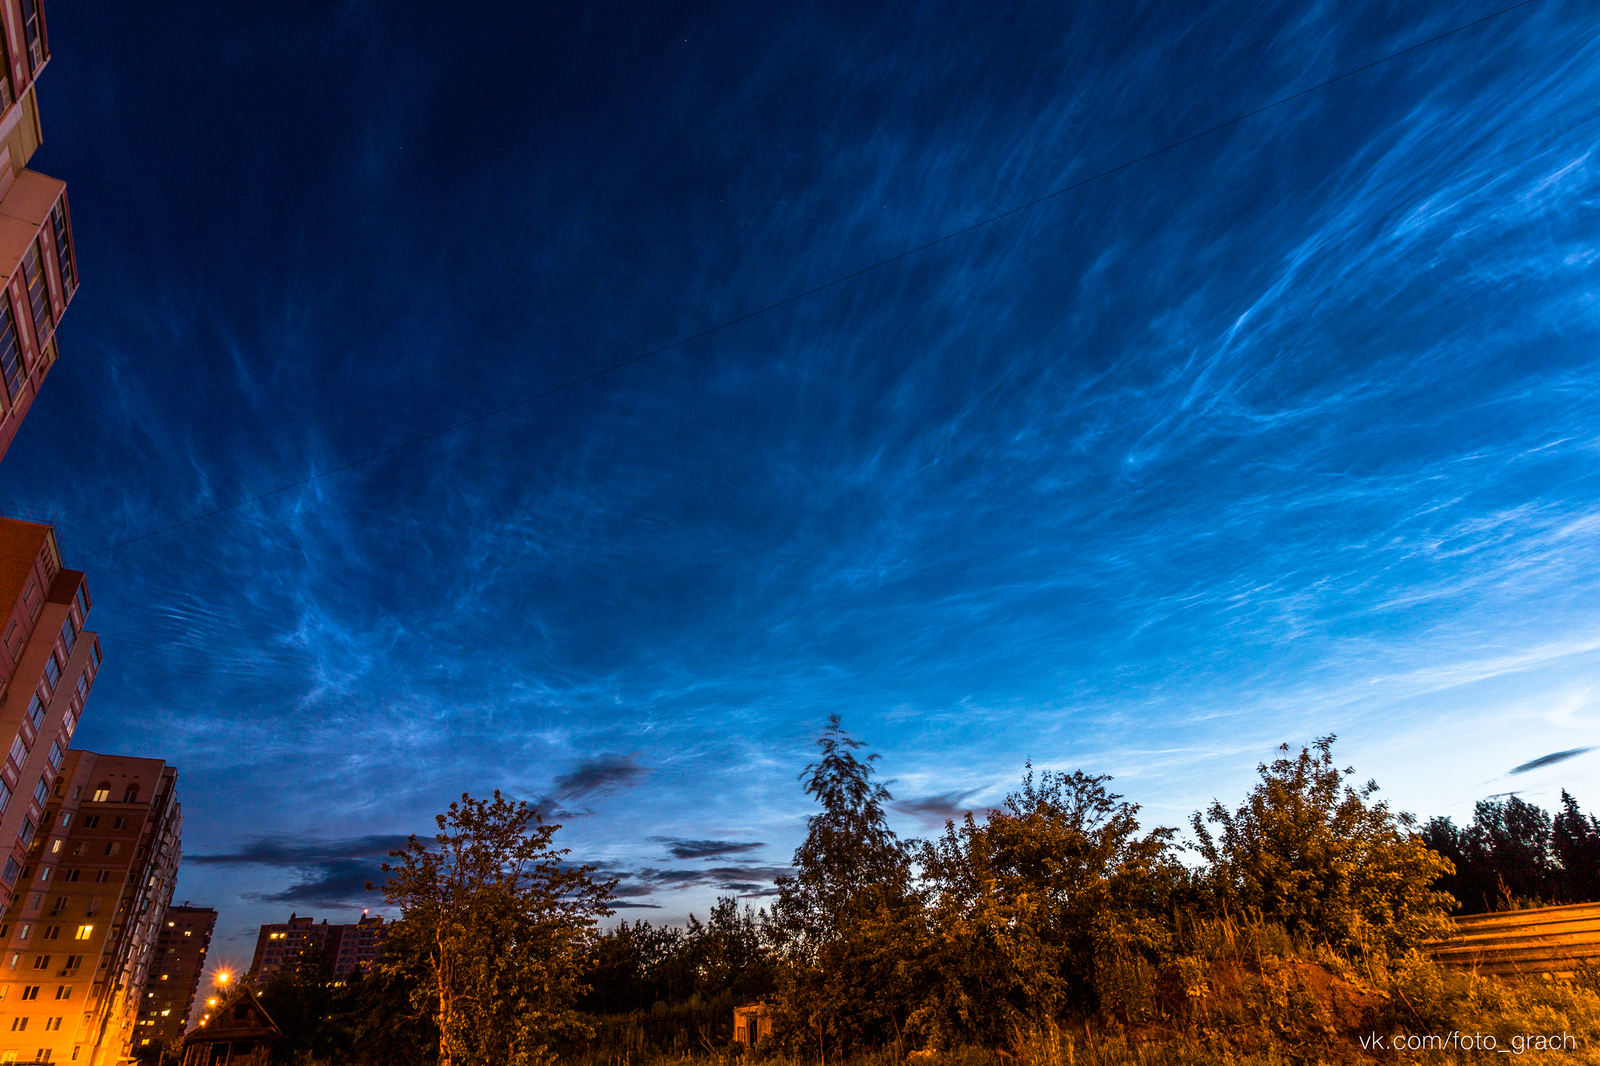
(1287, 431)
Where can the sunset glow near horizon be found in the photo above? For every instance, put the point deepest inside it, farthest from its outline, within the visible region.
(1288, 431)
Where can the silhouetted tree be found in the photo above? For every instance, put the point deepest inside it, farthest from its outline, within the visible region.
(1575, 838)
(1514, 854)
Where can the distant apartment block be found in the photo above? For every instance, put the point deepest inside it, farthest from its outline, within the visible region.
(79, 937)
(303, 947)
(37, 257)
(48, 663)
(174, 978)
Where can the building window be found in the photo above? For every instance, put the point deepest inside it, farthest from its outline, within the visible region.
(52, 671)
(70, 875)
(19, 752)
(55, 756)
(132, 795)
(102, 877)
(51, 932)
(83, 686)
(36, 707)
(73, 962)
(33, 275)
(26, 833)
(42, 962)
(41, 791)
(102, 792)
(113, 848)
(84, 932)
(69, 279)
(12, 867)
(69, 634)
(34, 32)
(19, 1024)
(11, 368)
(94, 654)
(30, 992)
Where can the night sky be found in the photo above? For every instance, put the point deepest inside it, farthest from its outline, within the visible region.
(1289, 430)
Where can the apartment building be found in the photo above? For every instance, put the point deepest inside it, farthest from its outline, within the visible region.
(48, 663)
(80, 935)
(317, 951)
(182, 942)
(37, 257)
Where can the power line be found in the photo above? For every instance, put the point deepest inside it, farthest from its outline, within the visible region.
(952, 235)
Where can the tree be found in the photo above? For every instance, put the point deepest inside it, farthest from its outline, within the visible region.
(1036, 906)
(501, 924)
(1576, 840)
(1309, 852)
(842, 920)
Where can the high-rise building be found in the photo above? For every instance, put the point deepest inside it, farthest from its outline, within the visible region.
(36, 249)
(79, 936)
(48, 663)
(357, 946)
(301, 946)
(174, 977)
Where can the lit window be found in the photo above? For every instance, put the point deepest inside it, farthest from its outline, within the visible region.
(84, 932)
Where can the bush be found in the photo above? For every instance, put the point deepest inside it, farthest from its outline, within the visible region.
(1311, 853)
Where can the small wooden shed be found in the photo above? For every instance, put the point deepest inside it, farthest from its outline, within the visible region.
(751, 1022)
(239, 1033)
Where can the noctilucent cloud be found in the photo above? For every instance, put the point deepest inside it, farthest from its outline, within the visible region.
(1289, 430)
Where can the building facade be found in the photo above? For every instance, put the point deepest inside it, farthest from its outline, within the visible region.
(316, 951)
(37, 254)
(80, 934)
(179, 958)
(48, 663)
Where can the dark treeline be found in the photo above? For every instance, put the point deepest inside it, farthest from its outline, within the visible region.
(1515, 854)
(1057, 909)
